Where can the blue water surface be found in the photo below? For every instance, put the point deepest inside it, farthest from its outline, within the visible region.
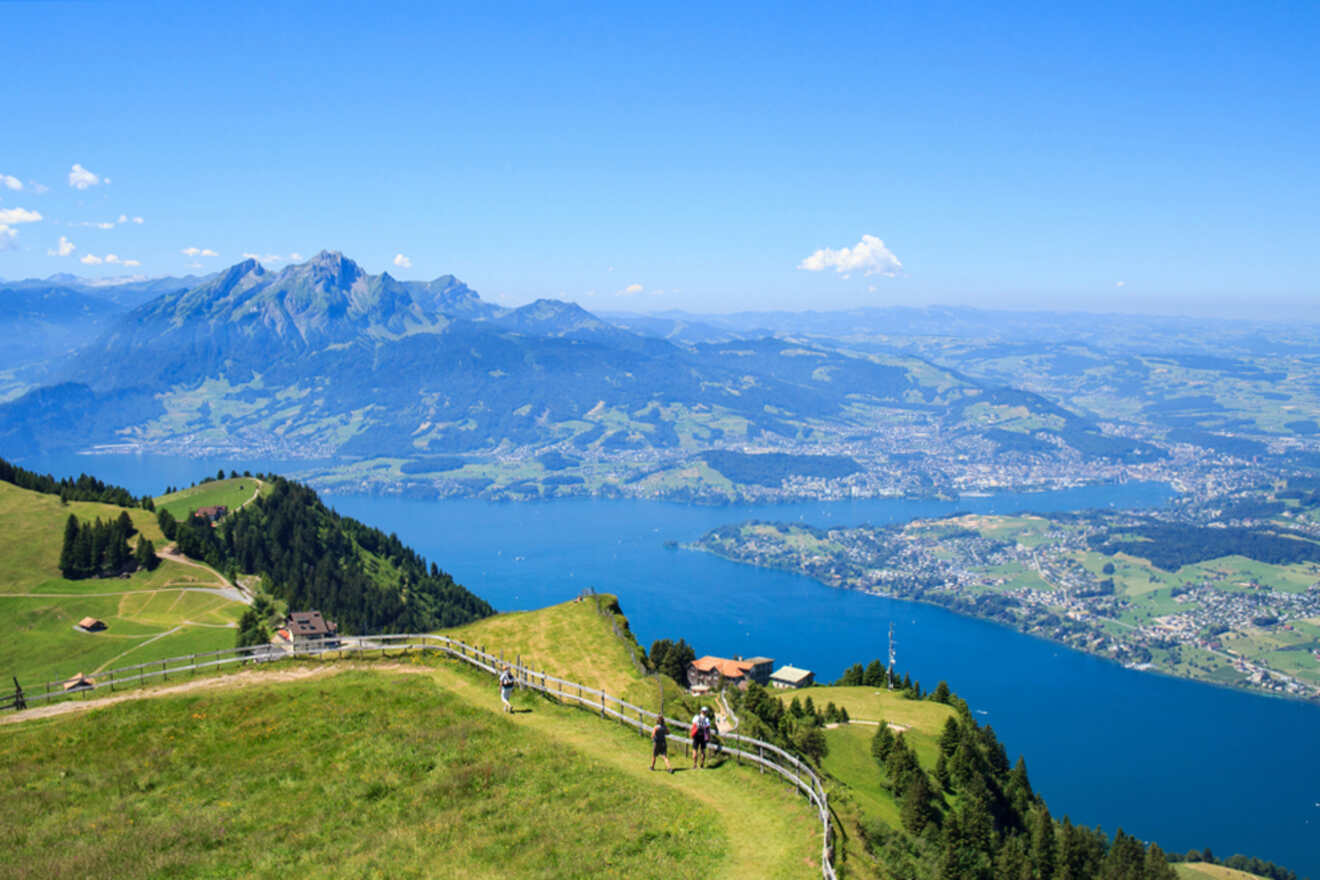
(1181, 763)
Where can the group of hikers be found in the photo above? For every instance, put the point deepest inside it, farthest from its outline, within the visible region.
(703, 730)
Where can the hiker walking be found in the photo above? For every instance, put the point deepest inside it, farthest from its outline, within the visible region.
(506, 689)
(660, 743)
(701, 732)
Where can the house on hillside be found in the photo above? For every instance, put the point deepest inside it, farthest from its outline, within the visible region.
(310, 628)
(211, 514)
(705, 673)
(792, 677)
(91, 624)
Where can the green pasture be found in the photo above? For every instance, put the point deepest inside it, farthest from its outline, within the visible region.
(360, 774)
(231, 493)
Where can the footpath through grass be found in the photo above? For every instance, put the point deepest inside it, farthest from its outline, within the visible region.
(363, 773)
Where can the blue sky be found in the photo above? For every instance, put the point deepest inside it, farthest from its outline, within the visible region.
(1125, 157)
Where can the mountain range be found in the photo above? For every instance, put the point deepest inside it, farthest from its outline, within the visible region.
(324, 359)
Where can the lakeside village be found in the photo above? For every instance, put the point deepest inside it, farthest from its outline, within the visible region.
(1200, 626)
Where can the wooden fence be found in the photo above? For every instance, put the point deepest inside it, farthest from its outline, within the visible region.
(768, 758)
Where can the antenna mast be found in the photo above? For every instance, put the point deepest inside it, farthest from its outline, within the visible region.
(889, 676)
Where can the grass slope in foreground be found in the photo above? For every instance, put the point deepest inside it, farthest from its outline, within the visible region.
(151, 614)
(362, 774)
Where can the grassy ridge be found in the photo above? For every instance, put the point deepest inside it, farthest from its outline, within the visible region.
(361, 774)
(231, 493)
(573, 640)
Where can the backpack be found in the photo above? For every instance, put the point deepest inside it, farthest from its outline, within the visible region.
(696, 728)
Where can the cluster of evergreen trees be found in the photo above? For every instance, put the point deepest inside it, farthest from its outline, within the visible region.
(84, 488)
(1170, 546)
(311, 557)
(977, 818)
(100, 549)
(671, 659)
(876, 674)
(764, 716)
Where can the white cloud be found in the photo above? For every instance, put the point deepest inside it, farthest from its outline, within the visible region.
(111, 258)
(10, 182)
(137, 220)
(13, 216)
(63, 249)
(194, 265)
(131, 263)
(295, 256)
(123, 218)
(869, 256)
(1120, 283)
(272, 258)
(192, 251)
(207, 252)
(38, 188)
(631, 289)
(204, 252)
(91, 260)
(106, 225)
(402, 262)
(81, 178)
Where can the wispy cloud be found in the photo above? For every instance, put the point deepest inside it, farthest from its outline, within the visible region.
(869, 256)
(63, 249)
(631, 290)
(1120, 283)
(294, 257)
(81, 178)
(11, 217)
(9, 182)
(114, 259)
(402, 262)
(199, 252)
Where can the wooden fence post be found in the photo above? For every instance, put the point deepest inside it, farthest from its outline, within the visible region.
(760, 764)
(602, 703)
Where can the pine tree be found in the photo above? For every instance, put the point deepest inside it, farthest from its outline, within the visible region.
(882, 742)
(874, 675)
(68, 565)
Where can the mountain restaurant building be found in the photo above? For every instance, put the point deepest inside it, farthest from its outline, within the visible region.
(705, 673)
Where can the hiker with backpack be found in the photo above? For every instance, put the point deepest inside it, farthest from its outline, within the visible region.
(506, 690)
(660, 743)
(701, 732)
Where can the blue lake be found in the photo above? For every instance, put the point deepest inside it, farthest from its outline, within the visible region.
(1185, 764)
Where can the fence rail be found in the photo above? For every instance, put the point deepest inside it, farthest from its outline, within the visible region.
(767, 757)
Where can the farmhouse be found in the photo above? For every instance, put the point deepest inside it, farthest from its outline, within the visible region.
(211, 514)
(309, 627)
(91, 624)
(705, 673)
(792, 677)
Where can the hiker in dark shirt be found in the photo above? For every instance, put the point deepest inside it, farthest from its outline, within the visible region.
(660, 743)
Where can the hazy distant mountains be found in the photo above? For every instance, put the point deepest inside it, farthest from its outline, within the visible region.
(322, 358)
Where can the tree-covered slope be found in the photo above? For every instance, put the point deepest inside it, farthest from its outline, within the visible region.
(311, 557)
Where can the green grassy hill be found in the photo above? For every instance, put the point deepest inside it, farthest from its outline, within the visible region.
(173, 610)
(401, 767)
(231, 493)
